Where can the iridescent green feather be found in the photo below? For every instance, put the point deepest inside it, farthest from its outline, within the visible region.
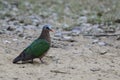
(37, 48)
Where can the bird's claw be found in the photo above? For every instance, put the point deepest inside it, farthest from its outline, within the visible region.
(43, 62)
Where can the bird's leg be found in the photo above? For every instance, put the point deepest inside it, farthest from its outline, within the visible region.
(41, 60)
(23, 62)
(31, 61)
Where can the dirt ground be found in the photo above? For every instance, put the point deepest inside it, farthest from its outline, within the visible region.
(82, 58)
(79, 60)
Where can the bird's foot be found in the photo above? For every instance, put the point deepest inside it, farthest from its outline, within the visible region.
(23, 62)
(43, 62)
(31, 61)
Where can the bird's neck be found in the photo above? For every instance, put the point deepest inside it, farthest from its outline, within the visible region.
(45, 35)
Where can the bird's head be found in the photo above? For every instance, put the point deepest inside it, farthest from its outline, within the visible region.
(47, 27)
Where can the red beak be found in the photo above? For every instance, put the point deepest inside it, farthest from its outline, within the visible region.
(51, 30)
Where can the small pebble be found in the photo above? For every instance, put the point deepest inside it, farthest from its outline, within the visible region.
(104, 52)
(11, 28)
(6, 41)
(102, 43)
(15, 39)
(58, 34)
(95, 69)
(15, 78)
(95, 41)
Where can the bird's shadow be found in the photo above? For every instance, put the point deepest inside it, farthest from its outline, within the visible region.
(28, 62)
(34, 62)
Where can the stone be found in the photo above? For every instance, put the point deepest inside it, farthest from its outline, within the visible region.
(6, 41)
(19, 29)
(58, 34)
(76, 31)
(15, 39)
(2, 31)
(82, 19)
(67, 37)
(11, 28)
(21, 35)
(95, 41)
(102, 43)
(95, 69)
(103, 52)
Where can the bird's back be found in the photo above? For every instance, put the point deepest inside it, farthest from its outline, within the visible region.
(37, 48)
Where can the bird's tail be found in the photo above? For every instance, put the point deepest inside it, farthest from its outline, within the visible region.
(18, 58)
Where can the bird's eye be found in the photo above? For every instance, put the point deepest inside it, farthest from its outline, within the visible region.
(47, 28)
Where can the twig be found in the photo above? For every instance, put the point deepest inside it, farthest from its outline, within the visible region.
(56, 71)
(102, 35)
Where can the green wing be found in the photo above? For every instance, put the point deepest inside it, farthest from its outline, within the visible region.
(37, 48)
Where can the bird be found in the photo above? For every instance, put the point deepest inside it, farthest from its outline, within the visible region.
(38, 48)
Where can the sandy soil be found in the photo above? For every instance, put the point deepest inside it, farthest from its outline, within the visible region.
(80, 60)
